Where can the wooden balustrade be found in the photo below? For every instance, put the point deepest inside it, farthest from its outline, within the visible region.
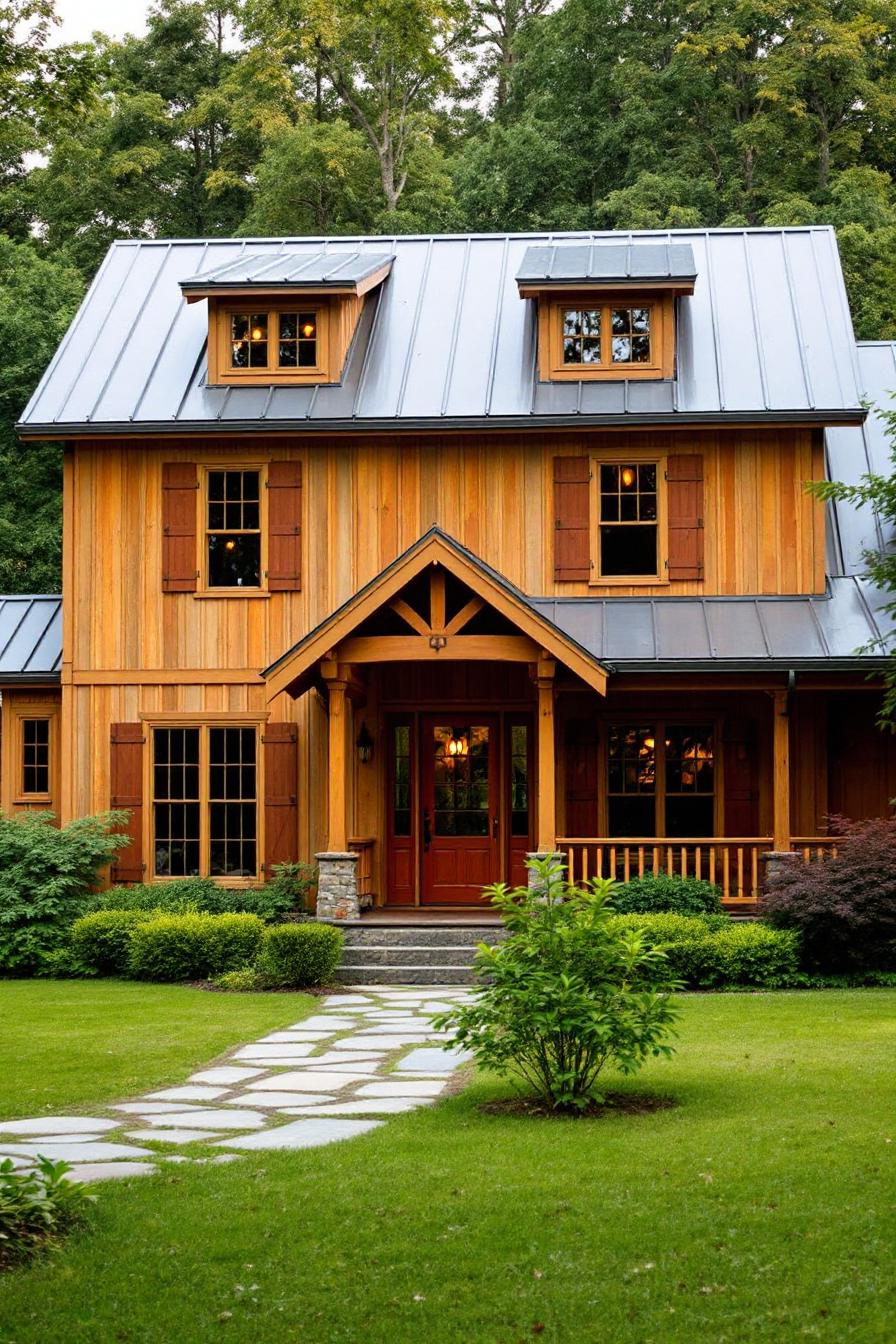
(734, 863)
(363, 847)
(814, 848)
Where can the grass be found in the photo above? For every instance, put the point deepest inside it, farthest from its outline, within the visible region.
(70, 1044)
(760, 1208)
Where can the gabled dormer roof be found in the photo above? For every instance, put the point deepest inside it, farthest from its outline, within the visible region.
(338, 273)
(446, 341)
(637, 261)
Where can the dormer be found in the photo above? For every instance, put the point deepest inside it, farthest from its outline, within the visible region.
(289, 319)
(606, 310)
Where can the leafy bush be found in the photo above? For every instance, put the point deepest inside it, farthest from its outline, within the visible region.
(715, 951)
(845, 907)
(179, 896)
(569, 991)
(36, 1207)
(46, 873)
(292, 884)
(239, 982)
(294, 956)
(192, 946)
(662, 893)
(101, 941)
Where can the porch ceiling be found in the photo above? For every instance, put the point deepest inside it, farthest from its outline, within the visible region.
(535, 638)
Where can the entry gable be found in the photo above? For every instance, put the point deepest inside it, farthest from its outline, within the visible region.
(437, 601)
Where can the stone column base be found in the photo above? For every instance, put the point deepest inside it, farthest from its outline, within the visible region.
(777, 861)
(540, 855)
(337, 886)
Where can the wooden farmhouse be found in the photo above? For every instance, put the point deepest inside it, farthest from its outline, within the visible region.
(418, 555)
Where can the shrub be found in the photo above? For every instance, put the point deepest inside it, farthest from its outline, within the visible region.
(569, 991)
(662, 893)
(712, 952)
(239, 982)
(179, 896)
(294, 956)
(192, 946)
(36, 1207)
(845, 907)
(291, 885)
(46, 873)
(101, 941)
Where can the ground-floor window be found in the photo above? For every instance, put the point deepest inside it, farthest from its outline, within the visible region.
(661, 779)
(36, 757)
(205, 801)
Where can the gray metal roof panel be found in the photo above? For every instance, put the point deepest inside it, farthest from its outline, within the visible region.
(765, 333)
(30, 638)
(607, 261)
(316, 268)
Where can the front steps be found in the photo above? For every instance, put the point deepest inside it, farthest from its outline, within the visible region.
(411, 954)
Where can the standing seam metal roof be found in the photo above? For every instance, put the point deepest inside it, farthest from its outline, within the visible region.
(447, 340)
(30, 638)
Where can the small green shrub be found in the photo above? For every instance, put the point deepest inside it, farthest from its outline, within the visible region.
(36, 1207)
(569, 991)
(193, 946)
(46, 873)
(712, 952)
(179, 896)
(102, 940)
(292, 885)
(294, 956)
(239, 982)
(661, 893)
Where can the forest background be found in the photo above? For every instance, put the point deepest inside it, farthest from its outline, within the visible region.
(272, 117)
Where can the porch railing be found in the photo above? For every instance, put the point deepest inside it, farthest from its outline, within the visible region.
(813, 848)
(363, 847)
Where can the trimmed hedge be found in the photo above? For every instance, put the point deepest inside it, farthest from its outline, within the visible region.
(193, 946)
(101, 941)
(715, 952)
(183, 896)
(662, 893)
(294, 956)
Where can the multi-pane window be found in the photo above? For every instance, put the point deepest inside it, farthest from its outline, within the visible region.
(627, 331)
(401, 801)
(233, 529)
(661, 780)
(205, 804)
(274, 340)
(519, 779)
(628, 520)
(35, 756)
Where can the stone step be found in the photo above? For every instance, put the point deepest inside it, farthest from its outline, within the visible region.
(395, 954)
(415, 935)
(405, 975)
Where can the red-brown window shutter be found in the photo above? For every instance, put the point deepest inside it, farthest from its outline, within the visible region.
(572, 504)
(281, 807)
(685, 504)
(126, 792)
(180, 571)
(284, 527)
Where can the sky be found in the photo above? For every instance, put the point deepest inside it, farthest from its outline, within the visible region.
(80, 18)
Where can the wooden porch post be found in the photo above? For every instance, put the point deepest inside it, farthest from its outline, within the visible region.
(337, 765)
(781, 773)
(546, 816)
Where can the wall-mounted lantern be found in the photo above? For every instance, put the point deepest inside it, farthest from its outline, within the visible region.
(364, 744)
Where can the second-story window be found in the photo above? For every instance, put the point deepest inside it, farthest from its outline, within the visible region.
(607, 337)
(233, 529)
(628, 504)
(274, 340)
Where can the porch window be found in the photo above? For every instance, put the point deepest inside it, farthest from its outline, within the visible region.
(36, 757)
(205, 804)
(233, 529)
(661, 780)
(628, 520)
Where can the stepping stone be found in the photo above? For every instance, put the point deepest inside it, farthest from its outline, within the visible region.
(361, 1043)
(217, 1161)
(157, 1107)
(387, 1106)
(259, 1053)
(414, 1026)
(334, 1000)
(328, 1023)
(303, 1134)
(172, 1135)
(212, 1119)
(70, 1138)
(347, 1058)
(406, 1088)
(59, 1124)
(294, 1037)
(85, 1172)
(279, 1099)
(433, 1061)
(224, 1074)
(191, 1092)
(74, 1152)
(312, 1081)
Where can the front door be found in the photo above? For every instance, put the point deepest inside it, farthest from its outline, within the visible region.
(459, 786)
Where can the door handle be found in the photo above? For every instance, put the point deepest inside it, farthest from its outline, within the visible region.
(494, 828)
(427, 833)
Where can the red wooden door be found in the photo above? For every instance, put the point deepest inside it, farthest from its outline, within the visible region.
(459, 825)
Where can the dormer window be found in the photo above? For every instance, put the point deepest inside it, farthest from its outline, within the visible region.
(275, 339)
(606, 310)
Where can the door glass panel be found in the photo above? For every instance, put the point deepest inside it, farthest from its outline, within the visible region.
(401, 800)
(460, 778)
(519, 779)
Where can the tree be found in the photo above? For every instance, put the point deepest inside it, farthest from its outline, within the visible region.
(387, 64)
(38, 298)
(317, 177)
(497, 25)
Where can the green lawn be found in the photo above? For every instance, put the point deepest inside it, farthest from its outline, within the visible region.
(71, 1044)
(761, 1208)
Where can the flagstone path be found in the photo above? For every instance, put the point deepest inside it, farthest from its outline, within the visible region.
(361, 1057)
